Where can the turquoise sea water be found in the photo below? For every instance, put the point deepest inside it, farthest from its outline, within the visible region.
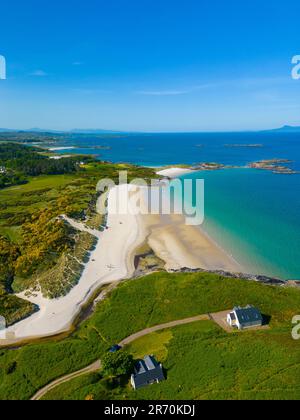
(252, 214)
(191, 148)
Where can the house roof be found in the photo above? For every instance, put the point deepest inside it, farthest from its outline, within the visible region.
(248, 314)
(147, 371)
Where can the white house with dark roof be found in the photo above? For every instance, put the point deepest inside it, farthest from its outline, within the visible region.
(242, 318)
(147, 372)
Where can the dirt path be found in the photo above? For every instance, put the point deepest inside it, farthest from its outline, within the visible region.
(173, 324)
(97, 365)
(81, 226)
(89, 369)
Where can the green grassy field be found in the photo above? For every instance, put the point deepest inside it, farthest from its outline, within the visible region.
(15, 309)
(19, 202)
(202, 361)
(23, 200)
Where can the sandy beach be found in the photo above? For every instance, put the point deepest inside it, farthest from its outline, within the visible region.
(112, 260)
(174, 172)
(57, 149)
(180, 245)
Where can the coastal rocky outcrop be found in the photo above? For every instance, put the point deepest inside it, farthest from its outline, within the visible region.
(277, 166)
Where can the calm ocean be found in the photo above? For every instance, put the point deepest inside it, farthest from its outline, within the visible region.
(253, 214)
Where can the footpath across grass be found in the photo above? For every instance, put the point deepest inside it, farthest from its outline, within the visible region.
(202, 361)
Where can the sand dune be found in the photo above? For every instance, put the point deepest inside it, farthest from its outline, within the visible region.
(111, 261)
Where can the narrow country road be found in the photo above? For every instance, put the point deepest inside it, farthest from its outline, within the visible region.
(89, 369)
(97, 365)
(151, 330)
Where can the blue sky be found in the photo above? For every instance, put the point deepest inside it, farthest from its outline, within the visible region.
(153, 65)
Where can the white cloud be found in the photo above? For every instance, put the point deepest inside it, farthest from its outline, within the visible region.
(38, 73)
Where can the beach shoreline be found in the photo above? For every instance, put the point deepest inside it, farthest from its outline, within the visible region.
(179, 245)
(183, 246)
(174, 172)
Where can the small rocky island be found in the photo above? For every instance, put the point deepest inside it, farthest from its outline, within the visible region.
(212, 166)
(255, 146)
(99, 147)
(277, 166)
(208, 166)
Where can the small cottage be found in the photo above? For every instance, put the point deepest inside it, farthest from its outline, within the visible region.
(147, 372)
(242, 318)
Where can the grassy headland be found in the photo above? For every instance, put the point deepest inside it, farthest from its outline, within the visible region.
(202, 361)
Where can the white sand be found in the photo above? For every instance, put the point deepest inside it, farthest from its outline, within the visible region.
(60, 157)
(56, 149)
(180, 245)
(174, 172)
(112, 260)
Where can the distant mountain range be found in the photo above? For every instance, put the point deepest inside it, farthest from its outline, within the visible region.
(75, 131)
(284, 129)
(94, 131)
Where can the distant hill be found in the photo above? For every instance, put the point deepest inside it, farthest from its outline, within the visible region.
(29, 131)
(48, 131)
(6, 130)
(100, 131)
(93, 131)
(74, 131)
(287, 129)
